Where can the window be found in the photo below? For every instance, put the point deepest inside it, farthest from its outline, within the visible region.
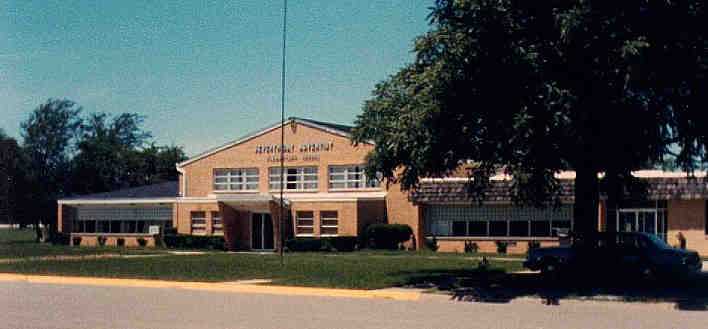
(198, 222)
(519, 228)
(329, 223)
(304, 223)
(540, 228)
(459, 228)
(296, 179)
(349, 177)
(217, 226)
(498, 228)
(236, 179)
(477, 228)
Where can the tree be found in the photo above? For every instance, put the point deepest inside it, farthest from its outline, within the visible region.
(47, 143)
(105, 151)
(534, 88)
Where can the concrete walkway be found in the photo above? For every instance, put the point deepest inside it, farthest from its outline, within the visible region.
(249, 286)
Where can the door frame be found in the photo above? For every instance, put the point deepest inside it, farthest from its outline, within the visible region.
(261, 215)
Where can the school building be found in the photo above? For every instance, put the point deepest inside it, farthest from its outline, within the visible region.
(236, 187)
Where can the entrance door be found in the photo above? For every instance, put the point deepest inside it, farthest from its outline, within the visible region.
(261, 232)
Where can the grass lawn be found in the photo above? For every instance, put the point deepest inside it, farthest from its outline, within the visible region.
(20, 244)
(350, 270)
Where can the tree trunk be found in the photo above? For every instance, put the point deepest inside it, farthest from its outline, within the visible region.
(587, 197)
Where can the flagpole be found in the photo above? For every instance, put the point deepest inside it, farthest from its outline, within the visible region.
(282, 139)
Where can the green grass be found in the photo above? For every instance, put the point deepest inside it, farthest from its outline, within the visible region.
(351, 270)
(19, 244)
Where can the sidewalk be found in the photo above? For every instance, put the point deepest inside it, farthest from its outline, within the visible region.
(249, 287)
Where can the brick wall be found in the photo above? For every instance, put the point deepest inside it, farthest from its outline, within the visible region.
(688, 217)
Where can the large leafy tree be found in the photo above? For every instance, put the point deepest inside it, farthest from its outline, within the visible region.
(112, 154)
(537, 87)
(48, 136)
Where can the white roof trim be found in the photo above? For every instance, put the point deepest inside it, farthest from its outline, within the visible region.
(116, 201)
(260, 133)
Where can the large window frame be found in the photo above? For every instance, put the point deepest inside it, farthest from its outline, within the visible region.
(499, 222)
(297, 179)
(305, 223)
(349, 177)
(198, 222)
(329, 223)
(235, 179)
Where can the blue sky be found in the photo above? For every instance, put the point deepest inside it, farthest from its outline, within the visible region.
(202, 72)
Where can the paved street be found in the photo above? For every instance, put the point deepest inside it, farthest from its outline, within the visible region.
(33, 305)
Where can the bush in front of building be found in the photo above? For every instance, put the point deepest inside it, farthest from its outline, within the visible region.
(431, 244)
(76, 241)
(184, 241)
(471, 247)
(502, 246)
(387, 236)
(101, 240)
(339, 243)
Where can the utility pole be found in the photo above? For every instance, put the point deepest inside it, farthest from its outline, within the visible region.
(282, 140)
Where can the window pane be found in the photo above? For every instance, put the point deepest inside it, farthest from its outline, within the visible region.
(519, 228)
(540, 228)
(497, 228)
(477, 228)
(459, 228)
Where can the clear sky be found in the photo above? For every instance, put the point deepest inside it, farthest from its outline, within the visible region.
(202, 72)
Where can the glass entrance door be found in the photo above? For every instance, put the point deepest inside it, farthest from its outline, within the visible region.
(261, 232)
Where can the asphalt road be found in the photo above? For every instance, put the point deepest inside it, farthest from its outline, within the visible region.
(33, 305)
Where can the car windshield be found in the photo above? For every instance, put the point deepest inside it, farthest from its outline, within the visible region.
(657, 242)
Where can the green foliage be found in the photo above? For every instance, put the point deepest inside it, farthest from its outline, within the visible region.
(533, 88)
(336, 244)
(142, 242)
(387, 236)
(431, 244)
(534, 245)
(101, 240)
(61, 239)
(183, 241)
(502, 246)
(76, 241)
(120, 242)
(471, 247)
(47, 136)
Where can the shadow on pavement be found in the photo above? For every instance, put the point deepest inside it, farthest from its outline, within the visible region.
(496, 286)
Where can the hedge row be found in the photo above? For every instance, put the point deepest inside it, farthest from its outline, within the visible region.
(339, 243)
(184, 241)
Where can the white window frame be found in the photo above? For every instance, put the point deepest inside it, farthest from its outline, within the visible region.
(300, 178)
(323, 226)
(197, 228)
(244, 179)
(347, 178)
(298, 226)
(217, 223)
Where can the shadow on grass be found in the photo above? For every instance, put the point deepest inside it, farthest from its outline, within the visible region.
(497, 286)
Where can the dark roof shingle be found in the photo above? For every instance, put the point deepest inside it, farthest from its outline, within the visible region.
(160, 190)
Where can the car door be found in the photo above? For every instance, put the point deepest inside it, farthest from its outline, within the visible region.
(629, 251)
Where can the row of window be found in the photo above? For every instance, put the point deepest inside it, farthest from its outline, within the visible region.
(118, 226)
(294, 179)
(499, 228)
(305, 223)
(199, 223)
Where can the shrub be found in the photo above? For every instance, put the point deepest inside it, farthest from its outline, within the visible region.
(534, 245)
(184, 241)
(120, 242)
(501, 246)
(101, 240)
(76, 240)
(142, 242)
(471, 247)
(339, 243)
(387, 236)
(432, 244)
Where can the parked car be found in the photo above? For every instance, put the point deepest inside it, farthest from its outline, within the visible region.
(615, 253)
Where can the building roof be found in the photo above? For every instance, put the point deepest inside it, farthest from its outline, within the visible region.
(154, 191)
(333, 128)
(500, 191)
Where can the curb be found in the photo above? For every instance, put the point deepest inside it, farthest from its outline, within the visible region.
(214, 286)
